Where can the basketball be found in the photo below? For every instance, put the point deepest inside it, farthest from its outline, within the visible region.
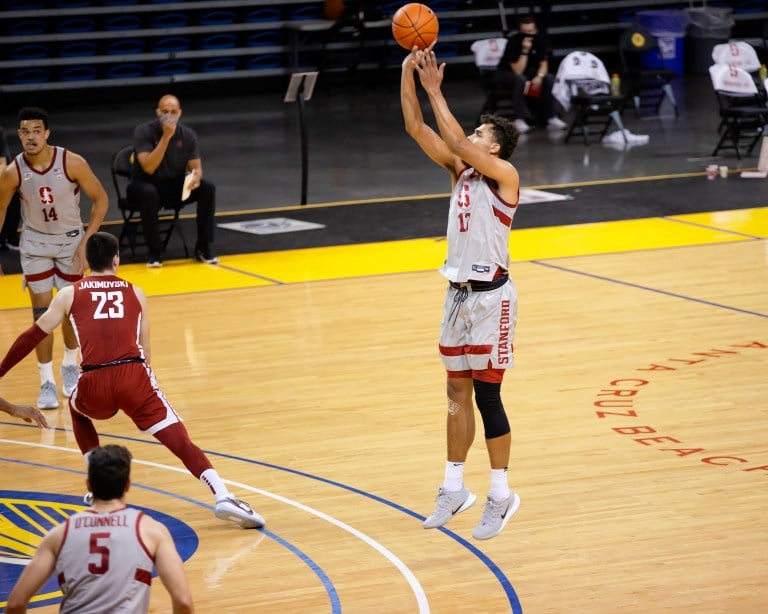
(414, 24)
(333, 9)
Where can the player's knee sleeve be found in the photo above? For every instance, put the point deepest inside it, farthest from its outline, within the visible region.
(488, 400)
(37, 312)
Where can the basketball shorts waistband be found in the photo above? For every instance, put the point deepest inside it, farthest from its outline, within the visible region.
(481, 286)
(112, 363)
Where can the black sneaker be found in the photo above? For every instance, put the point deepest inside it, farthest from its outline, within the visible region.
(205, 255)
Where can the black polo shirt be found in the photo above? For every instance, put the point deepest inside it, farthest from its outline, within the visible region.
(181, 148)
(540, 50)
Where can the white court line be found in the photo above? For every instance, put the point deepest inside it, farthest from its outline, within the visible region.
(418, 591)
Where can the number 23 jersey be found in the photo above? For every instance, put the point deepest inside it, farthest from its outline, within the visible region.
(106, 316)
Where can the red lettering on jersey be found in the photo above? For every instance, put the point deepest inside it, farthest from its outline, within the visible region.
(463, 197)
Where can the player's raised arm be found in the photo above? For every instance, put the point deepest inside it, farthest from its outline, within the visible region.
(415, 126)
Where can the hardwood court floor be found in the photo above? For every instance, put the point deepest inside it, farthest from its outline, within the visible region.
(311, 377)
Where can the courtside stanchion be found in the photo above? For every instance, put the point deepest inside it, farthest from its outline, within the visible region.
(300, 89)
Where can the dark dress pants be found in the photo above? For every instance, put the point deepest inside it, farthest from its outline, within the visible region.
(151, 197)
(543, 105)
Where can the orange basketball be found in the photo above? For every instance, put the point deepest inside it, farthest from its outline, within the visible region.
(333, 9)
(414, 25)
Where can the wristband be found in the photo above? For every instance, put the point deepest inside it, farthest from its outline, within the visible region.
(541, 75)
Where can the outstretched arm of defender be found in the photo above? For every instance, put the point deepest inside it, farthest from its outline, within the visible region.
(23, 412)
(45, 324)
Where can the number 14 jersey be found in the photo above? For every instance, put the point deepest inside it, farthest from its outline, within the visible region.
(50, 200)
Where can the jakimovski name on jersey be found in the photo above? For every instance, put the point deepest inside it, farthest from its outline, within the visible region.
(92, 284)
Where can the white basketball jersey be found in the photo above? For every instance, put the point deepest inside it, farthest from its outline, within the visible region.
(102, 565)
(50, 200)
(488, 51)
(478, 230)
(578, 65)
(737, 53)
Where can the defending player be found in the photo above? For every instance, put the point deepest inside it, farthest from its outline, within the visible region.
(110, 318)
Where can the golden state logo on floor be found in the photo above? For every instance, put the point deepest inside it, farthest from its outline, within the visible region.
(25, 517)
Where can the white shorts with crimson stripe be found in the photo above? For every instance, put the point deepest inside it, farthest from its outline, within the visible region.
(478, 328)
(47, 261)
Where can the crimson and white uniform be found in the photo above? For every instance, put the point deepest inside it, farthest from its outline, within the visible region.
(103, 565)
(106, 317)
(52, 227)
(479, 318)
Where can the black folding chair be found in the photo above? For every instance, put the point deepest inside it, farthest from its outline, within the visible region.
(131, 232)
(646, 87)
(594, 108)
(743, 113)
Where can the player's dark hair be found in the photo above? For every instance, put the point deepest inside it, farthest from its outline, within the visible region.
(34, 113)
(527, 19)
(100, 249)
(109, 470)
(504, 133)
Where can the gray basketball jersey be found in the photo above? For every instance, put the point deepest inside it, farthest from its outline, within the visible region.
(478, 230)
(103, 566)
(50, 200)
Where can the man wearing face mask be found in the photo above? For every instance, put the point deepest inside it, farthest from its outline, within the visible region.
(168, 170)
(524, 69)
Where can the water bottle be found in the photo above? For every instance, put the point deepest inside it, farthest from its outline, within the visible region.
(615, 84)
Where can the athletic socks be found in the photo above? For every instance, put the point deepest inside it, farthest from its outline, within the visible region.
(46, 372)
(499, 485)
(454, 476)
(70, 357)
(212, 479)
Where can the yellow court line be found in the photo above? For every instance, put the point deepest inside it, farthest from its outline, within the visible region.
(362, 260)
